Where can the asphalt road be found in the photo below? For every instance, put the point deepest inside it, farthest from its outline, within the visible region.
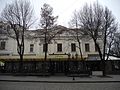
(58, 86)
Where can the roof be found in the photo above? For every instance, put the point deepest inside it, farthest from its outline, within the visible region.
(94, 57)
(112, 58)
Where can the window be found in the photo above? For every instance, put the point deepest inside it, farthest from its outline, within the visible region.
(2, 45)
(59, 47)
(44, 47)
(96, 49)
(73, 47)
(0, 26)
(87, 47)
(8, 27)
(31, 47)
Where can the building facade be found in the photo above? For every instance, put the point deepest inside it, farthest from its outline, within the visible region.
(60, 46)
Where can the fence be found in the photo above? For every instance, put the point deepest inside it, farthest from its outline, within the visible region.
(66, 67)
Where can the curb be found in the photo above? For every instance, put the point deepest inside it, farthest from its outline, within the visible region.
(60, 81)
(23, 74)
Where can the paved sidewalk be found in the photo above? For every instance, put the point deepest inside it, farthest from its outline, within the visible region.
(61, 79)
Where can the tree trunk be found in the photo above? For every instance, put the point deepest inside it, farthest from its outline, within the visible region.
(99, 51)
(44, 63)
(104, 68)
(102, 57)
(21, 63)
(46, 47)
(80, 51)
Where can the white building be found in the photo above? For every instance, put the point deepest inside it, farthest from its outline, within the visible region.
(59, 47)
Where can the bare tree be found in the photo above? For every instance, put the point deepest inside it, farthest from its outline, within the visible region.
(115, 49)
(18, 16)
(99, 24)
(47, 22)
(109, 29)
(76, 32)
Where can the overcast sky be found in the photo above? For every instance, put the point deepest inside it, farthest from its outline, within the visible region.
(65, 8)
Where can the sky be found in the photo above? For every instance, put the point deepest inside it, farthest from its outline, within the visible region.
(64, 8)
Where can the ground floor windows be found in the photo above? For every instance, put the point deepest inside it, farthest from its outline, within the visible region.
(87, 47)
(73, 47)
(45, 47)
(2, 45)
(59, 47)
(31, 47)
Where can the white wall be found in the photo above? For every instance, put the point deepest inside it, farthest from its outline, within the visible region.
(38, 46)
